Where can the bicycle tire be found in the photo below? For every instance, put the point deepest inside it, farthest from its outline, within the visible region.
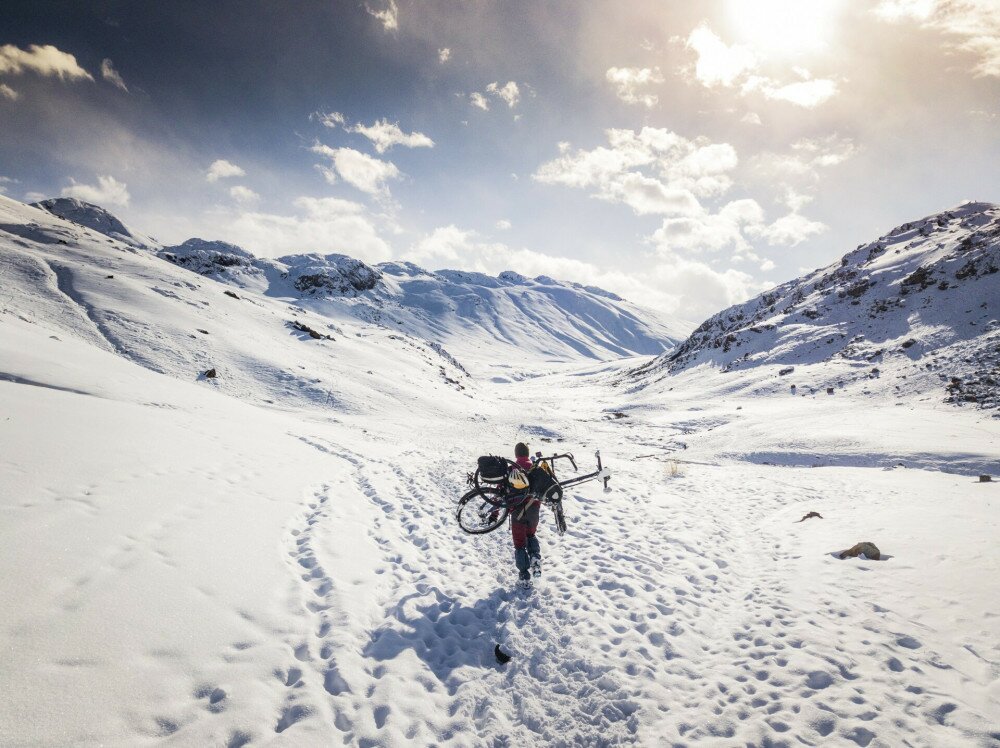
(497, 493)
(478, 513)
(560, 517)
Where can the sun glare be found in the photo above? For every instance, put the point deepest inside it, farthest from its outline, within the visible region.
(784, 27)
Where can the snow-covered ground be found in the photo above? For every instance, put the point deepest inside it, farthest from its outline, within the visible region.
(271, 556)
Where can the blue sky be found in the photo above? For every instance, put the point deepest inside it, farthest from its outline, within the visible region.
(685, 155)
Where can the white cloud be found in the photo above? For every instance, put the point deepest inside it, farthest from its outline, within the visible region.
(751, 118)
(243, 195)
(629, 81)
(365, 172)
(806, 93)
(34, 197)
(389, 16)
(789, 230)
(382, 133)
(674, 285)
(478, 100)
(503, 224)
(332, 120)
(508, 92)
(794, 200)
(44, 60)
(9, 93)
(657, 172)
(805, 160)
(4, 181)
(107, 191)
(111, 75)
(729, 66)
(972, 26)
(653, 171)
(719, 64)
(707, 231)
(729, 228)
(444, 54)
(323, 225)
(222, 169)
(385, 135)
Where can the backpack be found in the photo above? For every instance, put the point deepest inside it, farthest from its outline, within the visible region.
(492, 469)
(543, 485)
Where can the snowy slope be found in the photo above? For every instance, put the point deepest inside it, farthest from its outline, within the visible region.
(162, 317)
(549, 319)
(556, 320)
(94, 217)
(267, 559)
(918, 309)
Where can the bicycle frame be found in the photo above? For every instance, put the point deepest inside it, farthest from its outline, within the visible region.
(601, 472)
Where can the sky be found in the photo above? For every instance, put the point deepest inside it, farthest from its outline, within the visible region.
(686, 155)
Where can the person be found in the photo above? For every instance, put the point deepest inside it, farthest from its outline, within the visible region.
(523, 524)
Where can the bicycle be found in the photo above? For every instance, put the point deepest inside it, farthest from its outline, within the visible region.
(487, 505)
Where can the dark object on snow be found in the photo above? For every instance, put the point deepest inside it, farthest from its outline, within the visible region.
(108, 277)
(303, 327)
(203, 332)
(502, 657)
(211, 374)
(230, 293)
(829, 390)
(985, 479)
(869, 550)
(810, 516)
(786, 370)
(492, 469)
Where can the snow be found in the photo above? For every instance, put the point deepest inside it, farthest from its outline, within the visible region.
(271, 556)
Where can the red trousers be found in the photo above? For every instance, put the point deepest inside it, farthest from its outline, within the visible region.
(523, 527)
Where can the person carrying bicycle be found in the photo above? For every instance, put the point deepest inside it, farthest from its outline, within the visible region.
(523, 524)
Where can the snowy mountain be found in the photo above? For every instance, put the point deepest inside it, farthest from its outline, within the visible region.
(115, 297)
(917, 309)
(559, 321)
(94, 217)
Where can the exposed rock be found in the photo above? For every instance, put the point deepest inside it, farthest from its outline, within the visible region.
(331, 274)
(810, 516)
(211, 374)
(866, 549)
(314, 334)
(985, 479)
(230, 293)
(212, 258)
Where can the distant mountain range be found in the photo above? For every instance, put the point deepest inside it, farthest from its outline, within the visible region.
(546, 318)
(922, 300)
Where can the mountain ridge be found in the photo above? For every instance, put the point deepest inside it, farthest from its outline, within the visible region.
(559, 320)
(926, 294)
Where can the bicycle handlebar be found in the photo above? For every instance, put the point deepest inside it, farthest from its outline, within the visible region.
(567, 456)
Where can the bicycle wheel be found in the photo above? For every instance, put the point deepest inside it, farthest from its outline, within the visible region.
(557, 512)
(479, 513)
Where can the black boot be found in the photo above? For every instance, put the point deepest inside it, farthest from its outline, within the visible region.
(521, 562)
(534, 556)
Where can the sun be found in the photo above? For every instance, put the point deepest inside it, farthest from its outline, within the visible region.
(779, 28)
